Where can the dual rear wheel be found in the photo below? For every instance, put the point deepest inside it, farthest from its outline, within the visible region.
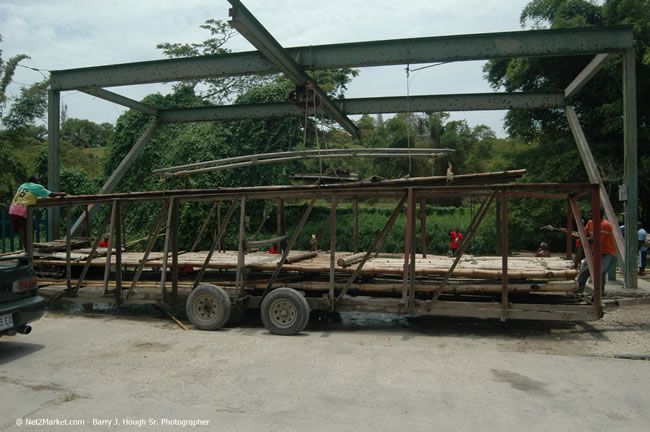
(284, 311)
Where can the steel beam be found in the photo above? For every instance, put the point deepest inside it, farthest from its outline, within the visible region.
(594, 177)
(586, 74)
(482, 46)
(120, 100)
(249, 27)
(54, 155)
(631, 168)
(359, 106)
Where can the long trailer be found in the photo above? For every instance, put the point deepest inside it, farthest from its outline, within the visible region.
(286, 286)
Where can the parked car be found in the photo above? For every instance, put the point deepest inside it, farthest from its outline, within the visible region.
(20, 303)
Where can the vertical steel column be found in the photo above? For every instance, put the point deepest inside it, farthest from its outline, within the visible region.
(332, 249)
(219, 245)
(53, 155)
(631, 168)
(569, 231)
(504, 255)
(596, 275)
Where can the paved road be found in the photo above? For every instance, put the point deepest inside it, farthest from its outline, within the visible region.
(368, 372)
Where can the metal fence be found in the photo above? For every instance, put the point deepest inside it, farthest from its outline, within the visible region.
(10, 239)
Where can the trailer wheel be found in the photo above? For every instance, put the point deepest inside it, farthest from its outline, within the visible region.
(285, 312)
(208, 307)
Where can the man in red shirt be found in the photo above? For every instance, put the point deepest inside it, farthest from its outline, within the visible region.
(607, 251)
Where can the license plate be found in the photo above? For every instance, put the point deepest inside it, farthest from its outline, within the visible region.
(6, 322)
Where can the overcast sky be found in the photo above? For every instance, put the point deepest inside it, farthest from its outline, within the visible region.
(65, 34)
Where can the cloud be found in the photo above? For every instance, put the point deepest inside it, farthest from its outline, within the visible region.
(81, 33)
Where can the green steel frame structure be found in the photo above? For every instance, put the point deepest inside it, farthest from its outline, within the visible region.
(602, 43)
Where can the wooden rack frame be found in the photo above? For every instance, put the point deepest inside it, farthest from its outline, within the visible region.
(337, 298)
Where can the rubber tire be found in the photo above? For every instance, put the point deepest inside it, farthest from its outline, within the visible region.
(213, 297)
(292, 301)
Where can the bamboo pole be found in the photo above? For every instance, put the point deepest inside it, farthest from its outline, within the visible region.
(350, 259)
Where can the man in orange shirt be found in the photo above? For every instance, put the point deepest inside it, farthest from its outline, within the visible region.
(607, 251)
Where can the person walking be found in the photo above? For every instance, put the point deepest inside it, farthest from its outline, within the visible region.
(643, 248)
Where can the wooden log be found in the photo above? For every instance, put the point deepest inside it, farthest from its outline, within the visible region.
(300, 257)
(350, 259)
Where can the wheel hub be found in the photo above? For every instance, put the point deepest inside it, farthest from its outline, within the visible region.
(283, 313)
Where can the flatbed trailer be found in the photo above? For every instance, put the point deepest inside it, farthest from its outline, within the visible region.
(287, 286)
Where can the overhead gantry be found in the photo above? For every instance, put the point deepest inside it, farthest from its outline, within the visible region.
(602, 43)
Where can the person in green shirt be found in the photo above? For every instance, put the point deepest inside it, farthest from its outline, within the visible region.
(27, 195)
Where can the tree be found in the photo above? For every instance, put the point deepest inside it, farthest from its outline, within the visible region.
(85, 133)
(598, 105)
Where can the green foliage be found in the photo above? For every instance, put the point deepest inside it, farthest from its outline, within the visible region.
(551, 154)
(28, 107)
(84, 133)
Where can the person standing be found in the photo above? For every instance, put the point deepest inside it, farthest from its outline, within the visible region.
(27, 195)
(607, 251)
(456, 239)
(643, 249)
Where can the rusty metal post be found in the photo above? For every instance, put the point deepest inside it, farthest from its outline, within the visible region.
(111, 244)
(68, 246)
(408, 239)
(241, 266)
(355, 213)
(596, 275)
(219, 245)
(118, 253)
(504, 254)
(497, 210)
(168, 234)
(174, 250)
(569, 232)
(332, 250)
(423, 226)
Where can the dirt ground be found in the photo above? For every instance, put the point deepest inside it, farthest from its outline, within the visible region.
(362, 372)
